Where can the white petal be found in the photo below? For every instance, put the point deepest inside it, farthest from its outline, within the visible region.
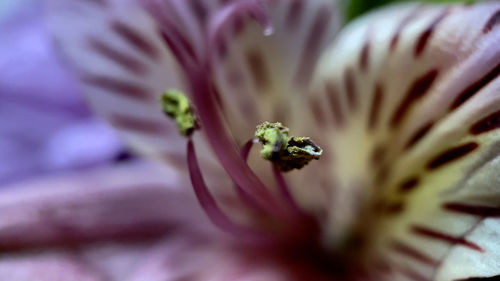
(124, 66)
(265, 77)
(464, 264)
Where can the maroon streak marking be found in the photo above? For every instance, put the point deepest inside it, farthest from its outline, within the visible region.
(317, 112)
(178, 44)
(417, 90)
(382, 174)
(221, 45)
(176, 51)
(125, 60)
(413, 253)
(199, 10)
(475, 87)
(400, 29)
(486, 124)
(378, 154)
(184, 43)
(418, 135)
(409, 184)
(432, 234)
(413, 274)
(452, 154)
(492, 22)
(474, 210)
(394, 208)
(364, 57)
(135, 124)
(350, 86)
(394, 41)
(332, 95)
(237, 26)
(117, 86)
(258, 70)
(295, 13)
(377, 100)
(136, 39)
(423, 40)
(310, 53)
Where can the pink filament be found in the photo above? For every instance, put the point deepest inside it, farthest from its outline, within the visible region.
(225, 148)
(204, 94)
(285, 190)
(245, 197)
(208, 202)
(198, 71)
(245, 150)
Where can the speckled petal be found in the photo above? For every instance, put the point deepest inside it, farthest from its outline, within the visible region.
(413, 92)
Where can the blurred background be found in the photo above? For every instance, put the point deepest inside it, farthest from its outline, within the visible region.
(45, 125)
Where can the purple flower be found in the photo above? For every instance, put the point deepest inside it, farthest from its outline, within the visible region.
(44, 118)
(404, 103)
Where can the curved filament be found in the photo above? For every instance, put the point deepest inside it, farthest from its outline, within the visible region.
(208, 202)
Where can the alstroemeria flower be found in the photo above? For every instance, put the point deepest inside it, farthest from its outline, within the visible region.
(404, 101)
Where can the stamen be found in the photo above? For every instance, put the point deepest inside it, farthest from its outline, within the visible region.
(176, 105)
(280, 180)
(244, 196)
(285, 191)
(199, 76)
(208, 202)
(247, 147)
(287, 153)
(224, 147)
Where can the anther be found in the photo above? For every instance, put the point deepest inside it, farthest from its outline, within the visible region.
(286, 152)
(177, 106)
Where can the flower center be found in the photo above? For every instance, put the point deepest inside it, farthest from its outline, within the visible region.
(286, 153)
(285, 229)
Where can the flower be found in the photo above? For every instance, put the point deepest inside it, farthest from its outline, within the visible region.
(403, 102)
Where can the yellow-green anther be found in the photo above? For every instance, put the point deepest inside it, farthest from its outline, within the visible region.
(274, 138)
(176, 105)
(286, 152)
